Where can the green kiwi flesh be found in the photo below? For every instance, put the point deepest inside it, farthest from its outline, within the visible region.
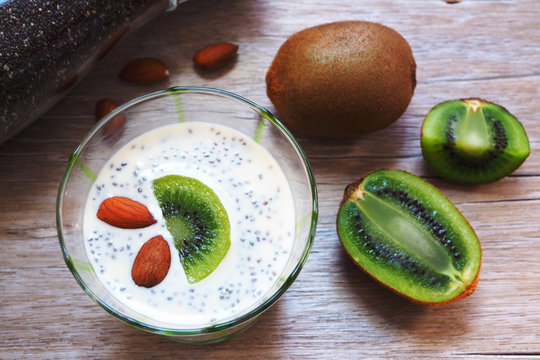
(473, 141)
(408, 236)
(197, 221)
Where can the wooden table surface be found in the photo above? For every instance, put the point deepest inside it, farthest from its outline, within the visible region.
(476, 48)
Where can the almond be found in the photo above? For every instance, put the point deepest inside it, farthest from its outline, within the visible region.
(125, 213)
(215, 56)
(152, 262)
(115, 126)
(144, 71)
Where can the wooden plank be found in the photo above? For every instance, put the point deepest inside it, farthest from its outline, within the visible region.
(480, 48)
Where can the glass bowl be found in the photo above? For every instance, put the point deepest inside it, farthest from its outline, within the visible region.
(189, 105)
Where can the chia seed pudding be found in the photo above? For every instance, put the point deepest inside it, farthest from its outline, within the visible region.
(251, 187)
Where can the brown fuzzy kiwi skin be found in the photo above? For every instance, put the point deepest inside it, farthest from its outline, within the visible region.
(469, 290)
(342, 79)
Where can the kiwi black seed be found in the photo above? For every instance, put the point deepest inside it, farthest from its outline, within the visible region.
(197, 221)
(408, 236)
(473, 141)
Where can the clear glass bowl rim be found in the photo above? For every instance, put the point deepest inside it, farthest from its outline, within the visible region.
(224, 325)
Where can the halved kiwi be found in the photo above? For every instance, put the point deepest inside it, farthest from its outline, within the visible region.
(407, 235)
(473, 141)
(198, 222)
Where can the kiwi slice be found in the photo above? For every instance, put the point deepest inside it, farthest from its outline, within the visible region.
(197, 221)
(407, 235)
(473, 141)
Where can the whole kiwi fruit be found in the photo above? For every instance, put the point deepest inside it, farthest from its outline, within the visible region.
(342, 79)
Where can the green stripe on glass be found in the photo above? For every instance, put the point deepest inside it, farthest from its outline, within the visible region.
(85, 170)
(178, 105)
(261, 126)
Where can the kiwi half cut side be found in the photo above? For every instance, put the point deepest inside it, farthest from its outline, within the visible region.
(197, 221)
(408, 236)
(473, 141)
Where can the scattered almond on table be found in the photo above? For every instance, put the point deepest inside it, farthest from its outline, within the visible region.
(144, 71)
(215, 56)
(115, 125)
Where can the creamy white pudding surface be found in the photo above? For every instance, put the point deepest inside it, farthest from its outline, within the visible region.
(254, 192)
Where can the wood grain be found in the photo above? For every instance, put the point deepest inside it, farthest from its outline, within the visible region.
(482, 48)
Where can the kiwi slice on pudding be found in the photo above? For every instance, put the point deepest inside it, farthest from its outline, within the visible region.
(473, 141)
(197, 221)
(408, 236)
